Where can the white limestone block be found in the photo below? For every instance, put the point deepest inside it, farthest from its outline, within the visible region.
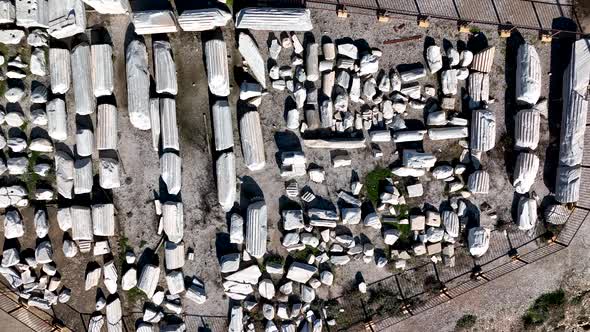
(173, 220)
(108, 173)
(527, 129)
(102, 70)
(103, 219)
(252, 141)
(138, 84)
(64, 173)
(528, 75)
(274, 19)
(222, 125)
(84, 142)
(483, 130)
(525, 172)
(59, 70)
(217, 67)
(83, 176)
(479, 241)
(203, 19)
(66, 18)
(169, 127)
(226, 180)
(154, 21)
(81, 218)
(170, 168)
(164, 68)
(256, 229)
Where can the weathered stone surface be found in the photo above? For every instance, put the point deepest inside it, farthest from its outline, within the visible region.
(153, 22)
(236, 230)
(110, 6)
(479, 182)
(312, 62)
(59, 70)
(70, 249)
(64, 172)
(203, 19)
(478, 85)
(527, 129)
(249, 275)
(108, 173)
(217, 67)
(528, 75)
(479, 241)
(434, 58)
(252, 141)
(251, 54)
(483, 130)
(66, 18)
(11, 37)
(7, 12)
(527, 213)
(226, 180)
(83, 176)
(169, 126)
(173, 220)
(44, 253)
(102, 70)
(256, 229)
(300, 272)
(81, 221)
(164, 68)
(38, 62)
(222, 125)
(103, 219)
(484, 60)
(138, 84)
(437, 134)
(274, 19)
(56, 119)
(567, 189)
(170, 169)
(414, 159)
(525, 172)
(148, 280)
(85, 101)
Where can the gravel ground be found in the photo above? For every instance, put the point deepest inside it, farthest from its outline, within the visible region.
(206, 223)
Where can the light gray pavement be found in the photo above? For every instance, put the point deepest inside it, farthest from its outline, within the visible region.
(9, 323)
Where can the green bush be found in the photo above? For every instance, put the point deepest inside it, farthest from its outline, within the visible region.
(373, 182)
(466, 322)
(545, 306)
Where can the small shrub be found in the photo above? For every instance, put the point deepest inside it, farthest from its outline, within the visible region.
(466, 322)
(545, 306)
(373, 182)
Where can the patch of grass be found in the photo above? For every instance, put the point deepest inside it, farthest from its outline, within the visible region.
(135, 294)
(373, 182)
(545, 307)
(302, 255)
(229, 3)
(275, 259)
(123, 245)
(474, 30)
(466, 322)
(30, 178)
(142, 243)
(383, 302)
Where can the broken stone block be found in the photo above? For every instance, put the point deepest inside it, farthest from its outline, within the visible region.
(478, 85)
(249, 275)
(70, 249)
(10, 257)
(300, 272)
(170, 164)
(417, 222)
(173, 220)
(129, 279)
(83, 177)
(217, 66)
(433, 249)
(348, 50)
(41, 223)
(59, 70)
(434, 58)
(483, 61)
(256, 232)
(164, 68)
(483, 130)
(57, 127)
(175, 282)
(527, 129)
(85, 102)
(372, 220)
(479, 182)
(369, 64)
(527, 213)
(138, 83)
(148, 280)
(64, 171)
(415, 190)
(525, 172)
(174, 255)
(153, 22)
(103, 219)
(528, 75)
(82, 227)
(108, 172)
(230, 263)
(236, 231)
(203, 19)
(266, 289)
(437, 134)
(252, 141)
(449, 82)
(274, 19)
(251, 54)
(414, 159)
(479, 241)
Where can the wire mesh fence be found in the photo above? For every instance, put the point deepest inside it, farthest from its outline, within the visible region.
(523, 14)
(427, 286)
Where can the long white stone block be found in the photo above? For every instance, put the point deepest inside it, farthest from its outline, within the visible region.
(528, 75)
(164, 68)
(335, 143)
(527, 213)
(102, 70)
(173, 220)
(217, 68)
(64, 174)
(138, 84)
(256, 229)
(203, 19)
(222, 125)
(110, 6)
(527, 129)
(174, 255)
(478, 85)
(103, 219)
(106, 127)
(450, 220)
(66, 18)
(170, 168)
(59, 70)
(483, 130)
(225, 167)
(81, 223)
(168, 126)
(479, 241)
(274, 19)
(82, 77)
(252, 141)
(154, 21)
(573, 127)
(83, 176)
(251, 54)
(525, 172)
(57, 125)
(437, 134)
